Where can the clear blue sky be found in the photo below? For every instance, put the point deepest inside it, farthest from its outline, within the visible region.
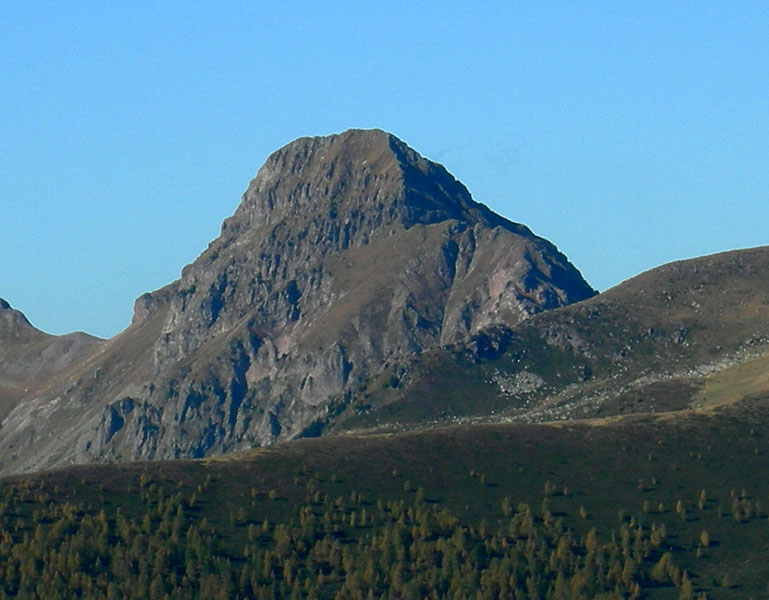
(629, 134)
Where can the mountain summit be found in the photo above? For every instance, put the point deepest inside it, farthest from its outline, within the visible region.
(349, 255)
(366, 179)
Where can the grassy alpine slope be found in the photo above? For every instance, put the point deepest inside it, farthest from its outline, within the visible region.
(658, 342)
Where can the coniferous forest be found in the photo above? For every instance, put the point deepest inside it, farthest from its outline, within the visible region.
(345, 547)
(464, 513)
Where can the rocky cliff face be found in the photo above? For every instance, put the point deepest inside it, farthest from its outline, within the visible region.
(347, 255)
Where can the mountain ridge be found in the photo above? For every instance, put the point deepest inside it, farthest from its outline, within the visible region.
(28, 355)
(665, 340)
(347, 252)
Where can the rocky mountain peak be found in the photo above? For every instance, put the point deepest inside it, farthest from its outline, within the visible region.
(348, 256)
(318, 197)
(363, 179)
(13, 323)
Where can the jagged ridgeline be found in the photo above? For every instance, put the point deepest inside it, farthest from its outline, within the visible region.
(348, 255)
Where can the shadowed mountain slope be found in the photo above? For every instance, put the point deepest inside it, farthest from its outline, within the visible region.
(348, 254)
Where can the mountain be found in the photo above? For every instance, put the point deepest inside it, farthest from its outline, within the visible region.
(349, 256)
(29, 357)
(541, 440)
(691, 334)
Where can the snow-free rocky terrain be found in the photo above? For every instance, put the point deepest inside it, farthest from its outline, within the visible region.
(348, 257)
